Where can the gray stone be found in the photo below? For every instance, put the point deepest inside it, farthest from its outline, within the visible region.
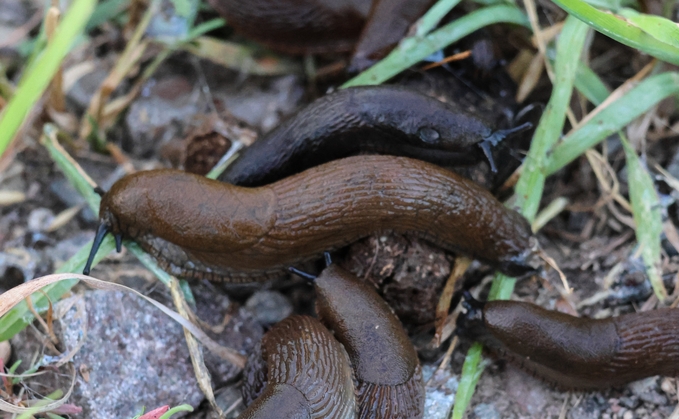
(486, 411)
(440, 392)
(269, 307)
(133, 355)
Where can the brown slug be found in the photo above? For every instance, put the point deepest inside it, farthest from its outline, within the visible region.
(299, 371)
(574, 352)
(383, 119)
(369, 28)
(200, 228)
(386, 367)
(386, 371)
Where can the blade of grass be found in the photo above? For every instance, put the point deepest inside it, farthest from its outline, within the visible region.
(643, 196)
(471, 372)
(647, 216)
(621, 30)
(529, 187)
(664, 30)
(434, 15)
(590, 85)
(34, 83)
(613, 118)
(413, 49)
(531, 183)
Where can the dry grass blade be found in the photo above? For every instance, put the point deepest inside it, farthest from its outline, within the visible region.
(43, 405)
(460, 267)
(11, 197)
(199, 368)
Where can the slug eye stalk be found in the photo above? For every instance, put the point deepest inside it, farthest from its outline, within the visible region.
(102, 231)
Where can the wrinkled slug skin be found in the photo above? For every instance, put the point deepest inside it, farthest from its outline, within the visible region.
(306, 371)
(324, 26)
(581, 353)
(381, 119)
(199, 228)
(386, 367)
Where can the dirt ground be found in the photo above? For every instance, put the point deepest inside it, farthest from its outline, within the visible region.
(172, 123)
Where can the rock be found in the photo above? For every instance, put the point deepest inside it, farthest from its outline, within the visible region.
(39, 219)
(486, 411)
(269, 307)
(591, 407)
(133, 355)
(440, 392)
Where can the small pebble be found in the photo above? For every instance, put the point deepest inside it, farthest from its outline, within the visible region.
(39, 219)
(269, 307)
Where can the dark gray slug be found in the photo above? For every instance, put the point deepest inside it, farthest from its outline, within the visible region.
(379, 119)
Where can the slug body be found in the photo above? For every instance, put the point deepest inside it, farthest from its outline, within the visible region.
(575, 352)
(199, 228)
(299, 371)
(381, 119)
(387, 370)
(370, 28)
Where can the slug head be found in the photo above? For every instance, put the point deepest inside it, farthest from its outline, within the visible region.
(470, 323)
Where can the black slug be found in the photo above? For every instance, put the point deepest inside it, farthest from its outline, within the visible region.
(380, 119)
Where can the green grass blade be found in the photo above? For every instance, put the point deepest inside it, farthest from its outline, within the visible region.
(412, 50)
(613, 118)
(664, 30)
(621, 30)
(33, 84)
(531, 183)
(175, 410)
(49, 141)
(647, 216)
(471, 372)
(590, 85)
(434, 16)
(105, 11)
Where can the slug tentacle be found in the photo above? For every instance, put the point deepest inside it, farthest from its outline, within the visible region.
(102, 231)
(495, 138)
(309, 277)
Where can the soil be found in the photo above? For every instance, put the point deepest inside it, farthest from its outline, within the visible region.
(192, 110)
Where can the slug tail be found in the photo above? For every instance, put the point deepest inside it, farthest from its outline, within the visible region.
(401, 401)
(102, 231)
